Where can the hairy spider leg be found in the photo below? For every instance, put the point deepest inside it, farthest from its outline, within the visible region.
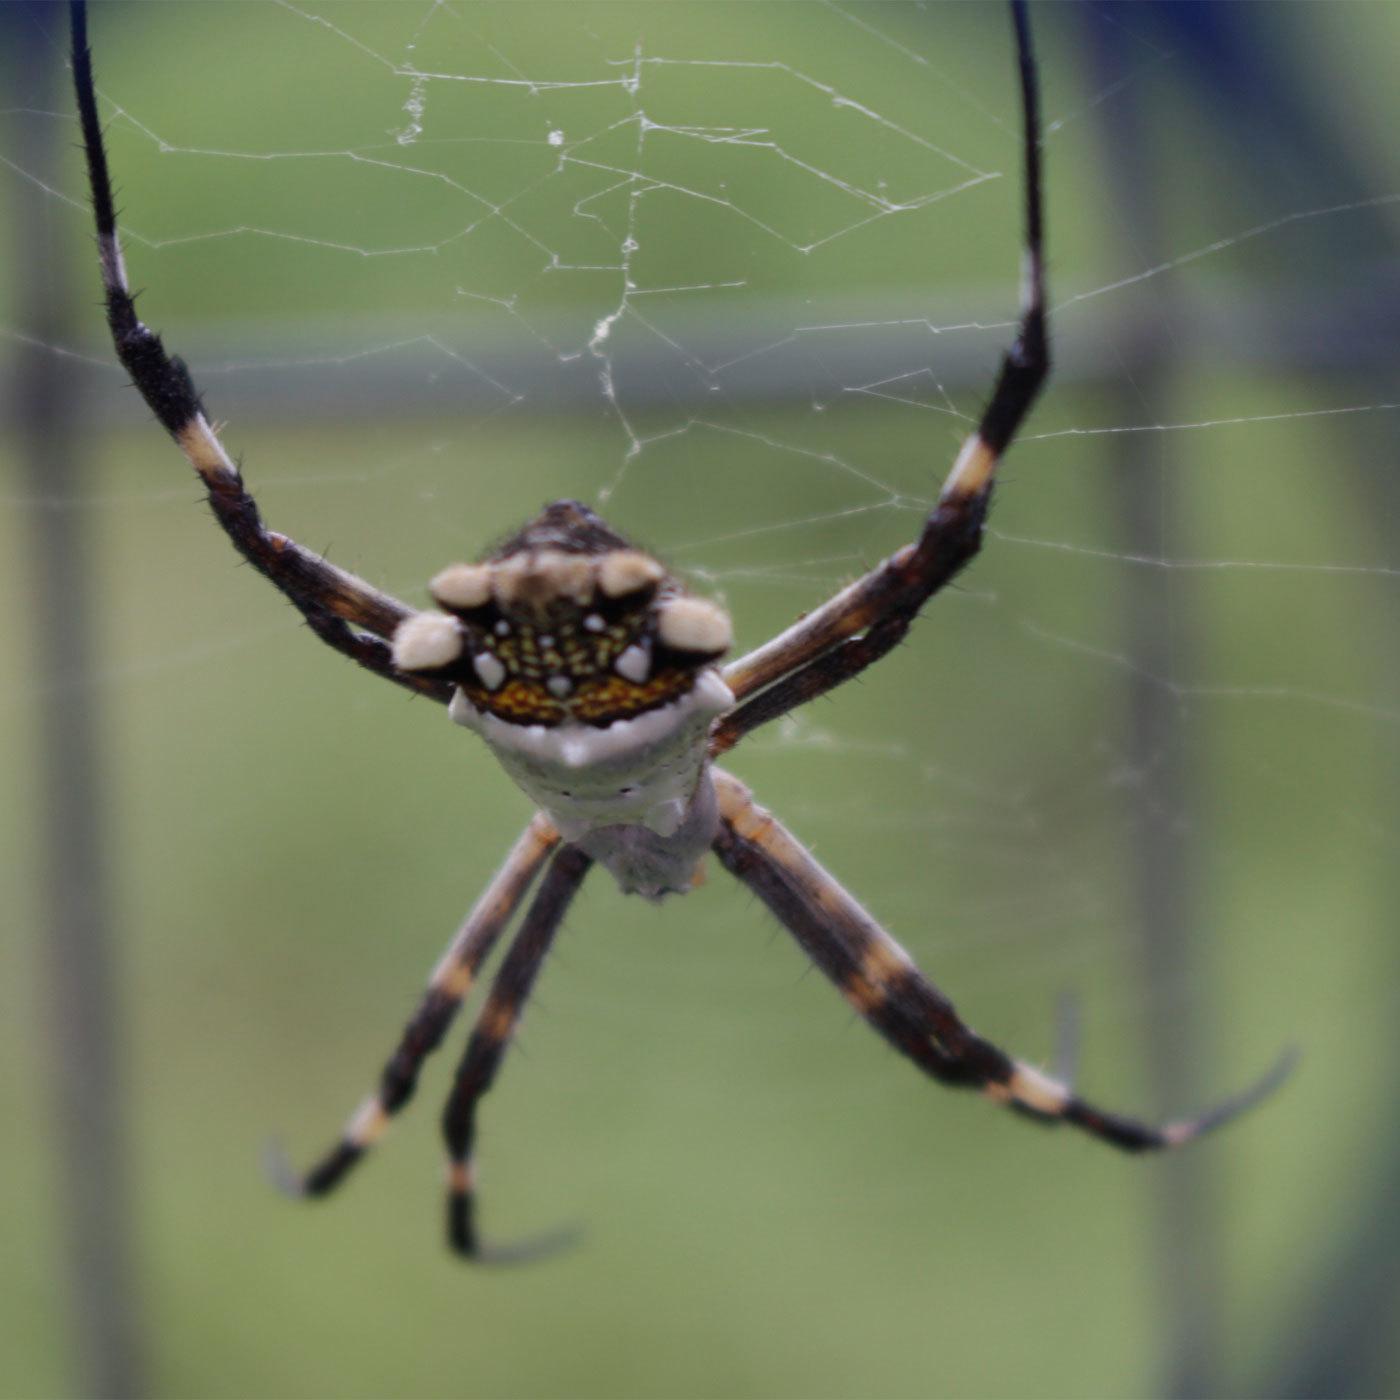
(339, 607)
(447, 988)
(864, 621)
(879, 979)
(485, 1050)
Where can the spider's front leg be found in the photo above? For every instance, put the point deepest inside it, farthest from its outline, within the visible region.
(865, 621)
(879, 979)
(339, 607)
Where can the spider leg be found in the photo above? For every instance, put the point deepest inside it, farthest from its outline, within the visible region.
(339, 607)
(864, 621)
(447, 988)
(879, 979)
(485, 1050)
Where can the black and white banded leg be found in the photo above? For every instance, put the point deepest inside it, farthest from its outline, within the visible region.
(448, 987)
(346, 612)
(486, 1049)
(879, 979)
(864, 621)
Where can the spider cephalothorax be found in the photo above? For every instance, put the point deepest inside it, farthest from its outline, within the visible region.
(591, 673)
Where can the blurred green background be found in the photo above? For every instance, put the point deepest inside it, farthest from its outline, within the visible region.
(1146, 751)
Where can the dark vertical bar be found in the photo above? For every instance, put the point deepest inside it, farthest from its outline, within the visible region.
(1279, 123)
(84, 1052)
(1340, 1340)
(1158, 626)
(1158, 635)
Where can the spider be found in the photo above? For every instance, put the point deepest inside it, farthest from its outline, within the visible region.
(593, 675)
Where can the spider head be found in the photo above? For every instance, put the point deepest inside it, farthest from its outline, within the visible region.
(563, 621)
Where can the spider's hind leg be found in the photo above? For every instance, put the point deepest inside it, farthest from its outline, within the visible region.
(485, 1051)
(879, 979)
(448, 986)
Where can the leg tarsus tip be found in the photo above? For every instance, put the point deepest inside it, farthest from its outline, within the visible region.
(279, 1171)
(1178, 1134)
(532, 1250)
(321, 1180)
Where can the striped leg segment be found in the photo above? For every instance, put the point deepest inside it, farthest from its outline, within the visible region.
(340, 608)
(485, 1050)
(879, 979)
(447, 988)
(863, 622)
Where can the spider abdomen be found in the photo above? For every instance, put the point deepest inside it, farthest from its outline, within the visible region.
(634, 795)
(653, 866)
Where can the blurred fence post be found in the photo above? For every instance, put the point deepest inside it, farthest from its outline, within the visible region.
(76, 924)
(1250, 77)
(1159, 627)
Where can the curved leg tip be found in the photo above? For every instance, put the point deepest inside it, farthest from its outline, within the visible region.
(323, 1178)
(1178, 1134)
(463, 1240)
(278, 1169)
(537, 1248)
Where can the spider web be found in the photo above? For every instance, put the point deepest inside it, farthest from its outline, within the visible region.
(767, 268)
(739, 277)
